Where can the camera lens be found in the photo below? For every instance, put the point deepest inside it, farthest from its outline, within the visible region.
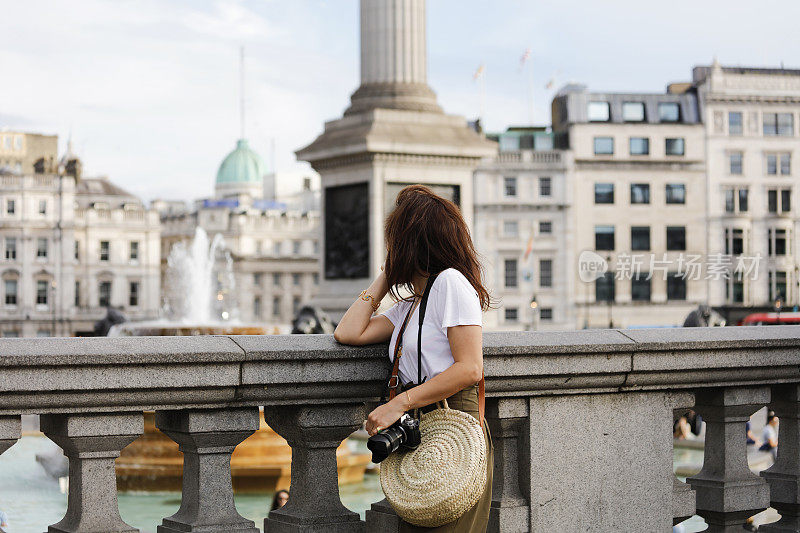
(385, 442)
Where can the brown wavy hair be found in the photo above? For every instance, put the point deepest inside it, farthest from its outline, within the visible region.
(426, 234)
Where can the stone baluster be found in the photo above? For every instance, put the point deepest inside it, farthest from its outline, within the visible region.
(727, 491)
(314, 433)
(10, 431)
(508, 424)
(92, 442)
(683, 497)
(784, 476)
(207, 439)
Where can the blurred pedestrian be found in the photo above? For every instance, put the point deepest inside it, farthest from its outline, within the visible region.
(280, 499)
(751, 437)
(770, 435)
(3, 521)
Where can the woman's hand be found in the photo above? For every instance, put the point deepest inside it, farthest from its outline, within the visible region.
(385, 415)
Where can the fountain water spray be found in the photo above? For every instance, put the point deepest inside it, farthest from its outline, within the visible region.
(200, 282)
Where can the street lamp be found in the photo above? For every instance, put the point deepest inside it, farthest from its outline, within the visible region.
(534, 309)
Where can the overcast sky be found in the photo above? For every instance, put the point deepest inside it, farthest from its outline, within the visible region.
(149, 88)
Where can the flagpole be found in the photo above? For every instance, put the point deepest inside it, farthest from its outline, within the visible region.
(530, 94)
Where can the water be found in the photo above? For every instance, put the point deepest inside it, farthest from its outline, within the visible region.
(199, 286)
(33, 500)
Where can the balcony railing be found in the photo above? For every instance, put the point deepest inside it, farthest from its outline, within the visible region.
(581, 423)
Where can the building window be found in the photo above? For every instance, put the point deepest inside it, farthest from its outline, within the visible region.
(639, 145)
(511, 274)
(599, 112)
(511, 314)
(640, 238)
(11, 291)
(640, 193)
(41, 248)
(545, 227)
(133, 294)
(295, 304)
(295, 279)
(675, 146)
(772, 164)
(315, 277)
(676, 193)
(735, 163)
(633, 111)
(676, 238)
(104, 291)
(779, 196)
(76, 250)
(42, 207)
(604, 237)
(11, 207)
(640, 288)
(134, 251)
(676, 286)
(545, 187)
(604, 289)
(786, 164)
(257, 279)
(546, 273)
(510, 187)
(276, 306)
(316, 247)
(777, 285)
(604, 145)
(77, 301)
(105, 247)
(734, 289)
(669, 112)
(734, 241)
(776, 242)
(11, 248)
(277, 248)
(779, 124)
(735, 123)
(41, 292)
(257, 307)
(276, 279)
(296, 247)
(731, 195)
(546, 313)
(510, 228)
(604, 193)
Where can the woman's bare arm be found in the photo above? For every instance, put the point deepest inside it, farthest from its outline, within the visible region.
(466, 345)
(358, 326)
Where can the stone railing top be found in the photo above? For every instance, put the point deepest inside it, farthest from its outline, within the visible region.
(131, 373)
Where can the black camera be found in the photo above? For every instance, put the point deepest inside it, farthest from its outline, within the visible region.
(404, 432)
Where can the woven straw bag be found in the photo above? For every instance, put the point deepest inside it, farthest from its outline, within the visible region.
(444, 477)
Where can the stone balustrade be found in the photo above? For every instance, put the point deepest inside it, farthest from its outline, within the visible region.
(581, 422)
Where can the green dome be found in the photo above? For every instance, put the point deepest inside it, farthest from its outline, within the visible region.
(242, 165)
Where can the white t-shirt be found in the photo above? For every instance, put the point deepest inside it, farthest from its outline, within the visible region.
(452, 302)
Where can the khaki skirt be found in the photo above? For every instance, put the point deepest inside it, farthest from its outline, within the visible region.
(475, 519)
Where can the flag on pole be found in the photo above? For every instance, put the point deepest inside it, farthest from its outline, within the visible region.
(529, 248)
(479, 72)
(526, 55)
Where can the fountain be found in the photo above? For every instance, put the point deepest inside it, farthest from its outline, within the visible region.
(200, 300)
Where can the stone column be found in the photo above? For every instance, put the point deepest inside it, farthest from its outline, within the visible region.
(784, 476)
(727, 491)
(393, 41)
(508, 424)
(314, 433)
(92, 442)
(207, 439)
(683, 497)
(10, 431)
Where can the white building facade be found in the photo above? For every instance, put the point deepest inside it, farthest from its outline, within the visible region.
(638, 204)
(523, 229)
(751, 117)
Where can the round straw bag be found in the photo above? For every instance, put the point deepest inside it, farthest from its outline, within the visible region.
(444, 477)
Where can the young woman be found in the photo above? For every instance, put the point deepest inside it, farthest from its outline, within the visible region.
(426, 235)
